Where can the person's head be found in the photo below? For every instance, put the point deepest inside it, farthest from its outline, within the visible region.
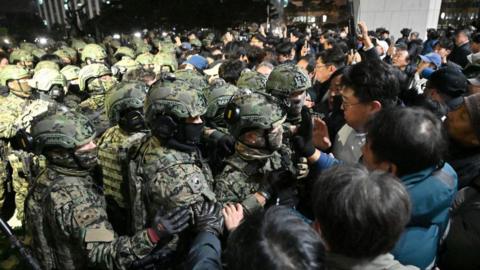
(404, 141)
(307, 63)
(274, 240)
(285, 51)
(359, 214)
(252, 80)
(255, 120)
(414, 36)
(22, 58)
(264, 68)
(431, 60)
(231, 70)
(432, 34)
(49, 82)
(258, 41)
(255, 56)
(15, 78)
(93, 53)
(3, 59)
(289, 84)
(444, 47)
(446, 86)
(461, 37)
(124, 105)
(217, 99)
(406, 32)
(95, 79)
(66, 140)
(369, 86)
(401, 58)
(335, 89)
(173, 110)
(476, 43)
(327, 62)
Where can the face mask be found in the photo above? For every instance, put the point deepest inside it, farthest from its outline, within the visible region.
(87, 159)
(191, 133)
(74, 88)
(132, 121)
(295, 104)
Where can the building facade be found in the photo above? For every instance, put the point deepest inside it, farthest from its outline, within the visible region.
(56, 11)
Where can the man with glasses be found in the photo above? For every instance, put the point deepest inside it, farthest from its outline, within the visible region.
(368, 87)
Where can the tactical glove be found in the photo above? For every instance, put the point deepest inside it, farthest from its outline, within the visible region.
(208, 217)
(303, 141)
(173, 222)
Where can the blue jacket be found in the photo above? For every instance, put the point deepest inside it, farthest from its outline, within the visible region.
(431, 193)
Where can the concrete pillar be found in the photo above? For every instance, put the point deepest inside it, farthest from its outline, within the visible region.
(419, 15)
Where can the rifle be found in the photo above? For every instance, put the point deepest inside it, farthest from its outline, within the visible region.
(25, 254)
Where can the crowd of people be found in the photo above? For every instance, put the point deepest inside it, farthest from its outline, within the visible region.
(298, 148)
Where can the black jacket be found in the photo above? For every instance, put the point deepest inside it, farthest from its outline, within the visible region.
(459, 55)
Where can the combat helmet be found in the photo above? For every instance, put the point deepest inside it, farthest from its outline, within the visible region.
(124, 51)
(93, 52)
(14, 72)
(90, 72)
(28, 46)
(67, 131)
(248, 110)
(168, 103)
(287, 79)
(145, 59)
(46, 65)
(50, 82)
(165, 60)
(252, 80)
(123, 97)
(70, 72)
(218, 97)
(20, 55)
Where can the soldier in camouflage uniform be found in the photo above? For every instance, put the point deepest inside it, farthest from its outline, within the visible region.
(169, 163)
(66, 213)
(17, 110)
(146, 60)
(289, 84)
(73, 96)
(22, 58)
(255, 120)
(124, 106)
(252, 80)
(165, 62)
(96, 80)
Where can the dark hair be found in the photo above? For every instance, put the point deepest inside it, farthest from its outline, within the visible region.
(273, 240)
(333, 56)
(361, 214)
(235, 49)
(411, 138)
(284, 48)
(373, 80)
(432, 33)
(311, 62)
(255, 56)
(445, 43)
(476, 38)
(406, 32)
(231, 70)
(53, 58)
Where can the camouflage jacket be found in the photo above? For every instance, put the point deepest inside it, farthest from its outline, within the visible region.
(11, 107)
(241, 178)
(94, 109)
(66, 217)
(170, 178)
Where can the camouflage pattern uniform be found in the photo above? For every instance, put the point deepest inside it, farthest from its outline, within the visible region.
(17, 111)
(163, 60)
(91, 82)
(65, 211)
(245, 171)
(192, 77)
(170, 177)
(115, 148)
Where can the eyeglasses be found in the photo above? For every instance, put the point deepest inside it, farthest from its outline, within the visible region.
(346, 105)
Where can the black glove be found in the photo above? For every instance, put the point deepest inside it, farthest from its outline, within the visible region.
(208, 217)
(173, 222)
(303, 141)
(226, 145)
(276, 182)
